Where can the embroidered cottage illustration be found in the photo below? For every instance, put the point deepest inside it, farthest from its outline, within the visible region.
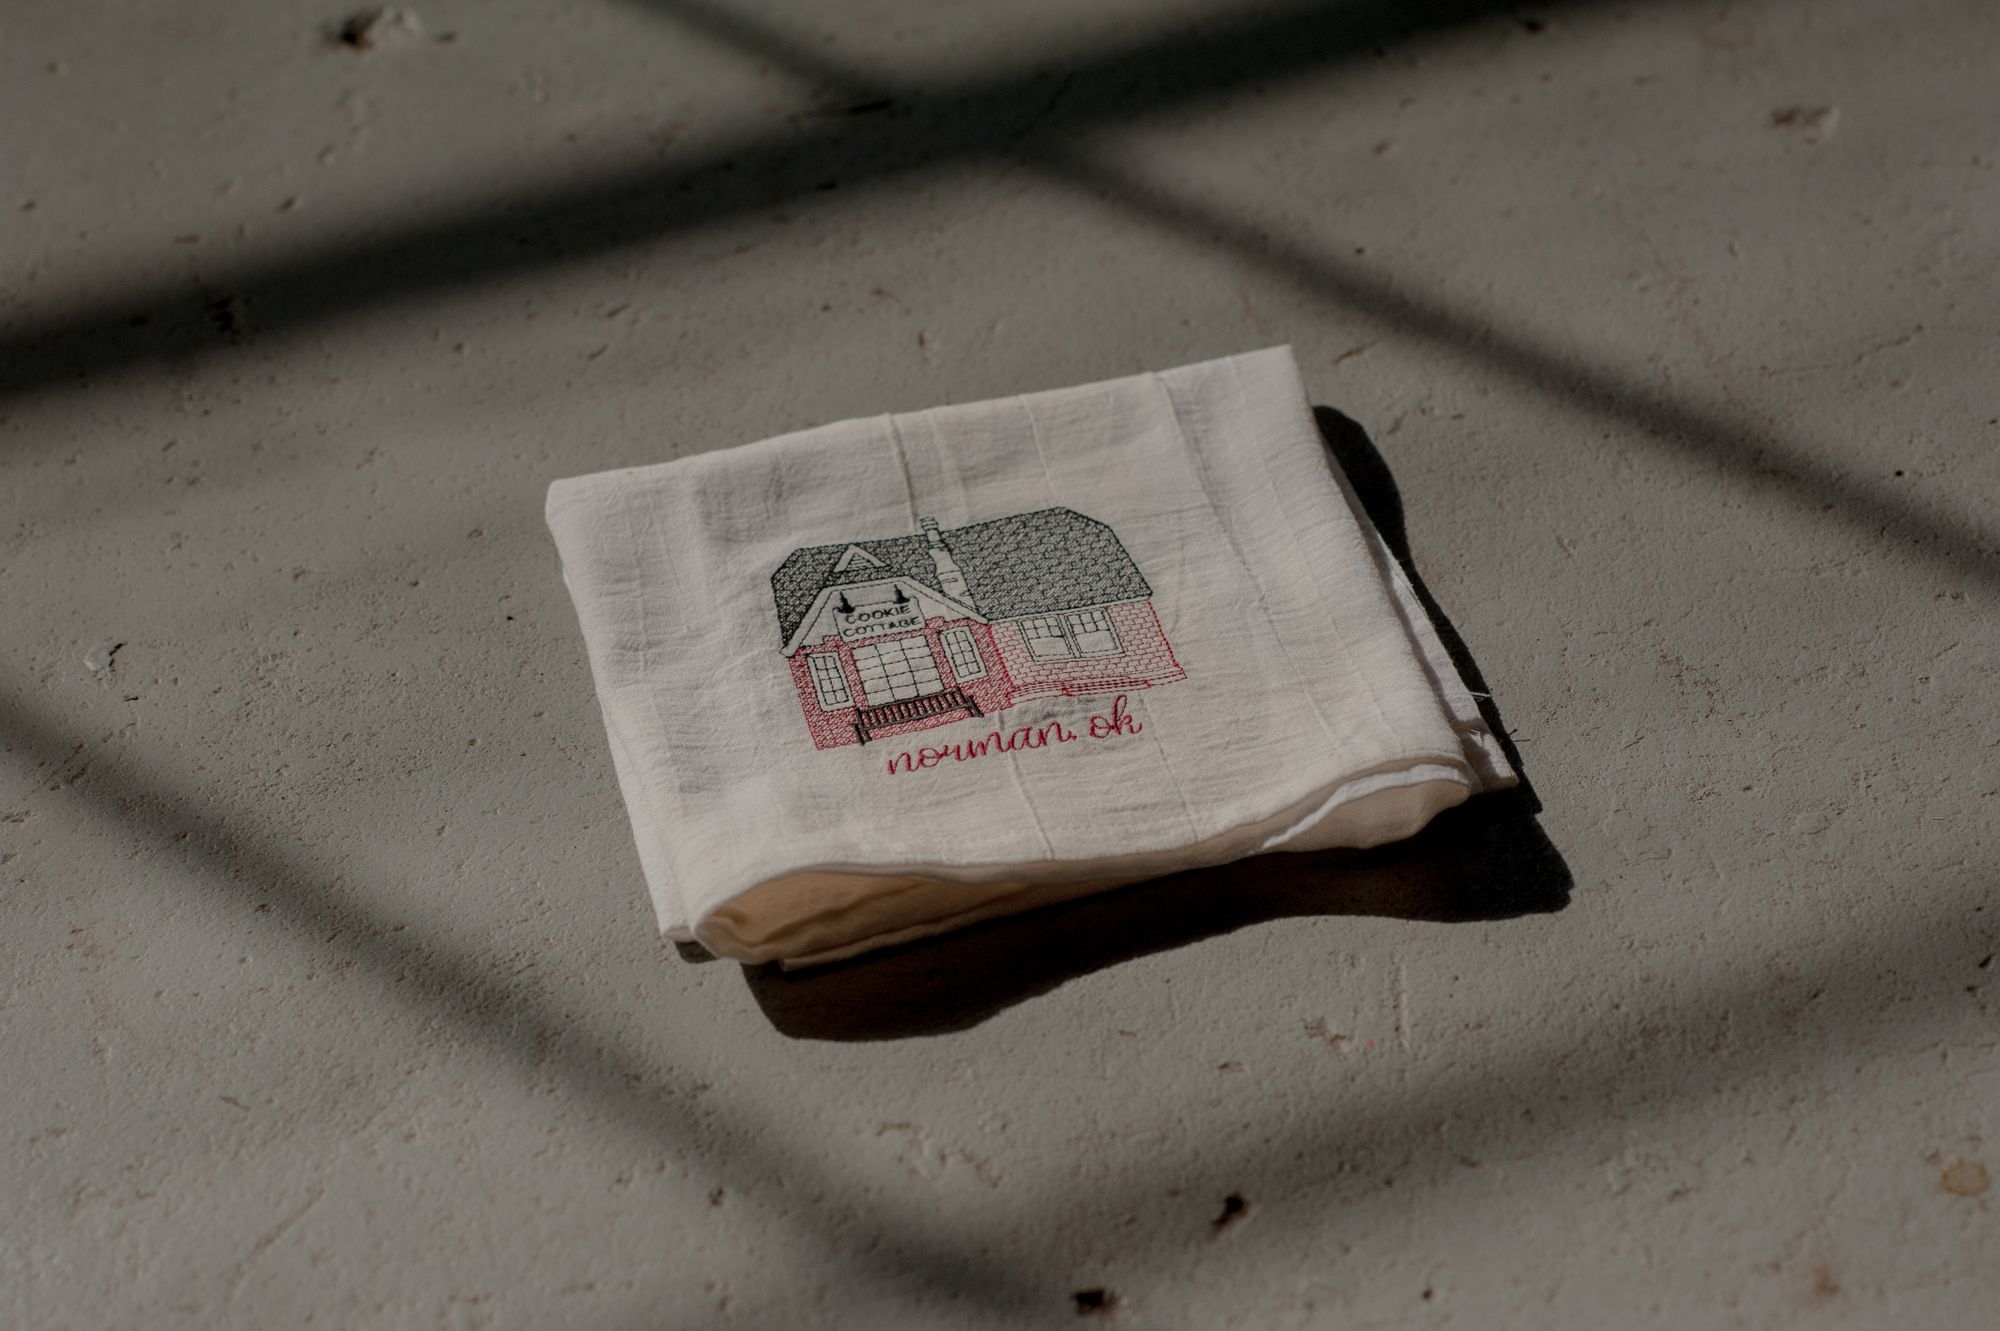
(906, 632)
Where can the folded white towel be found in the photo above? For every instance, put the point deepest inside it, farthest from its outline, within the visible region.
(882, 678)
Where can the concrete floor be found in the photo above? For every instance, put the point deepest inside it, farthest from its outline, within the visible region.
(331, 994)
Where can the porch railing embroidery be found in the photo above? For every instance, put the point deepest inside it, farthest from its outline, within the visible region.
(869, 720)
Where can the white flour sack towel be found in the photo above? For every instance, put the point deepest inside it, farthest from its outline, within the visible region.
(887, 677)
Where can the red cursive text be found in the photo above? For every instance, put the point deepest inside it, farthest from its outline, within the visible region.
(1118, 722)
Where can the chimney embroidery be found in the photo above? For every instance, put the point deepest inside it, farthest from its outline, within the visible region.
(951, 578)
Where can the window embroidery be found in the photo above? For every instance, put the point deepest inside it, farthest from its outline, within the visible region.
(1092, 634)
(898, 669)
(1046, 639)
(828, 681)
(1077, 633)
(963, 653)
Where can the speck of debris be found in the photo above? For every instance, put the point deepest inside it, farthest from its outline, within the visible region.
(1985, 961)
(1533, 26)
(1234, 1208)
(229, 315)
(375, 28)
(870, 108)
(291, 205)
(1964, 1178)
(1319, 1030)
(718, 1197)
(1094, 1302)
(1815, 124)
(101, 657)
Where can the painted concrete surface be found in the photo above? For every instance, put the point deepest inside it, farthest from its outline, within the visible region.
(330, 993)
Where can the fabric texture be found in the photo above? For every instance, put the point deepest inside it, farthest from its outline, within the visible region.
(886, 677)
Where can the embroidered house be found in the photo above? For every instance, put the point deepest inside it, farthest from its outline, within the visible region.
(899, 634)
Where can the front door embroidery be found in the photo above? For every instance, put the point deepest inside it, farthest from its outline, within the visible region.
(902, 633)
(897, 669)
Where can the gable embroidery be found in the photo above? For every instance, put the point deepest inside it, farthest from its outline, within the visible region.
(856, 555)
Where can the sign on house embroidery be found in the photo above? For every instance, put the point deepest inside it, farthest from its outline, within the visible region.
(901, 633)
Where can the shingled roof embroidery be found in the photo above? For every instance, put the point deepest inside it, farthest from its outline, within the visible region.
(1037, 563)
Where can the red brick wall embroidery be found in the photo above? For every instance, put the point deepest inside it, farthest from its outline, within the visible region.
(1146, 658)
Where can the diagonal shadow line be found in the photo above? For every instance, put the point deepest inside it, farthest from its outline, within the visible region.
(745, 35)
(1879, 991)
(1600, 390)
(911, 128)
(1659, 419)
(501, 1013)
(462, 983)
(1725, 443)
(1670, 1059)
(1864, 981)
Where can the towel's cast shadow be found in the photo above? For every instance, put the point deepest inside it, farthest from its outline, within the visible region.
(1488, 859)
